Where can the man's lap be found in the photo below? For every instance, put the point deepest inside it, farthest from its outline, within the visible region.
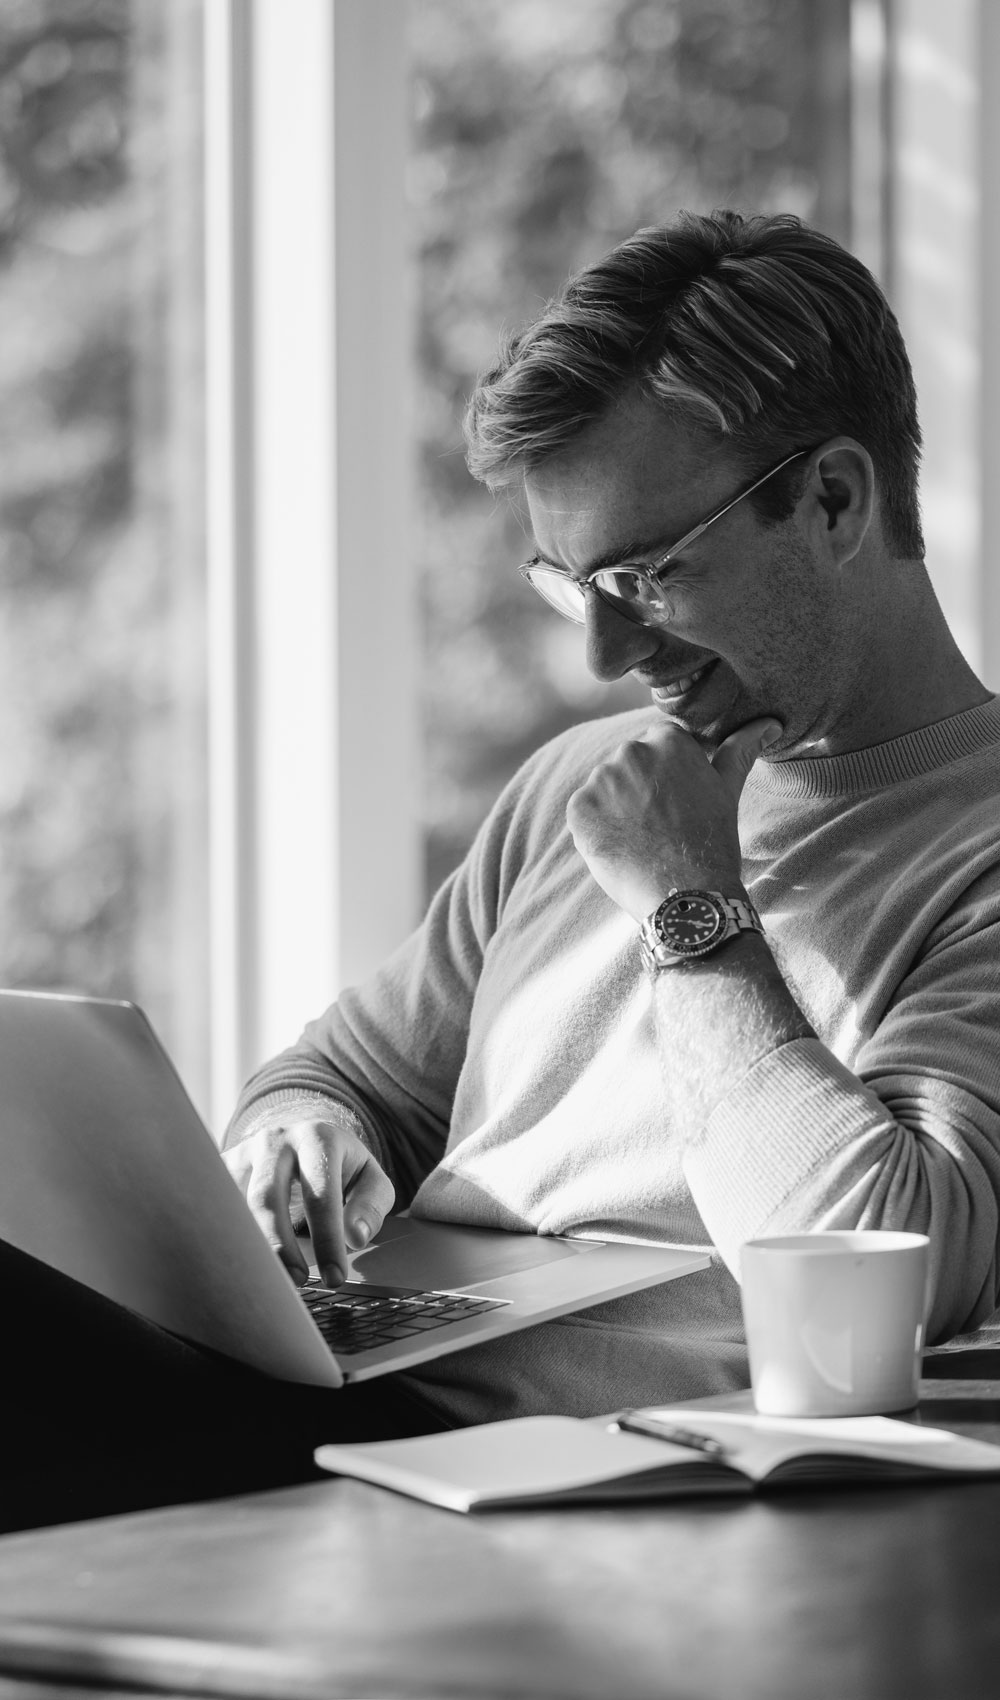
(106, 1412)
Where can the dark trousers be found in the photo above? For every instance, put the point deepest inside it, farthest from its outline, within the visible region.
(103, 1412)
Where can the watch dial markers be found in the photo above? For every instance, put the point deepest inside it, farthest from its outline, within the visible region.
(689, 922)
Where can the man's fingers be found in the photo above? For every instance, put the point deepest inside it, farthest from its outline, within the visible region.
(369, 1199)
(321, 1172)
(329, 1163)
(268, 1191)
(736, 754)
(347, 1196)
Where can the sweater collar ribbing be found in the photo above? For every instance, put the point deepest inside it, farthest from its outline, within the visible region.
(882, 765)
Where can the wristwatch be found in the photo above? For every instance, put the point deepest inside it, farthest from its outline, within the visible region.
(691, 924)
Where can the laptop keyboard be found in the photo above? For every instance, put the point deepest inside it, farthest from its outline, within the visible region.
(356, 1316)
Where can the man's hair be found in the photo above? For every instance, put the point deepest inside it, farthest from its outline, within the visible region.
(760, 331)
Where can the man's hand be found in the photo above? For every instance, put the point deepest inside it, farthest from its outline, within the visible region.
(661, 814)
(345, 1192)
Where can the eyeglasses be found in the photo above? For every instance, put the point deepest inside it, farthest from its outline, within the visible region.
(634, 588)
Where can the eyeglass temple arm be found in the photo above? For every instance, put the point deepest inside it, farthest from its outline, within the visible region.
(690, 536)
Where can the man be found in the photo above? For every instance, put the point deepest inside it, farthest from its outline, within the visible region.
(714, 431)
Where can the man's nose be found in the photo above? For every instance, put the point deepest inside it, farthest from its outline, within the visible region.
(615, 644)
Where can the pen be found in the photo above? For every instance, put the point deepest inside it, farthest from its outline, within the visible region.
(633, 1423)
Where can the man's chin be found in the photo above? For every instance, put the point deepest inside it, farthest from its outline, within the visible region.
(688, 722)
(700, 719)
(708, 728)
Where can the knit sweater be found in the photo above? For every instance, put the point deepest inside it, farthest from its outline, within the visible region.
(506, 1067)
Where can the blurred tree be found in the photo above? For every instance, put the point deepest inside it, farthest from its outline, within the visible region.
(67, 897)
(544, 132)
(88, 795)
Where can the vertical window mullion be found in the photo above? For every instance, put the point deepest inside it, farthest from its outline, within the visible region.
(935, 87)
(315, 847)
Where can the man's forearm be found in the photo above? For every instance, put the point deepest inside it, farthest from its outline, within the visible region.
(716, 1018)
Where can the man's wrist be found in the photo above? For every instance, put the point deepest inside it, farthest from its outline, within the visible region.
(693, 923)
(648, 894)
(284, 1108)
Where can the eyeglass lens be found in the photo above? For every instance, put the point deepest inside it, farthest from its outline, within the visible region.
(633, 594)
(626, 591)
(562, 593)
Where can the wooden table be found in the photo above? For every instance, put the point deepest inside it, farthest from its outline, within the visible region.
(340, 1591)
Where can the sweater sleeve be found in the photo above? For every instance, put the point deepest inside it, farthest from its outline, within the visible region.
(392, 1049)
(908, 1137)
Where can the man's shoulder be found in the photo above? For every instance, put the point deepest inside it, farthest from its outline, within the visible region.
(537, 795)
(590, 741)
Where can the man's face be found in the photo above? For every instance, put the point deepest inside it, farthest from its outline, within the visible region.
(753, 615)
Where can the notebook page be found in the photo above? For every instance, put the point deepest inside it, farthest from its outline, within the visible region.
(758, 1444)
(505, 1462)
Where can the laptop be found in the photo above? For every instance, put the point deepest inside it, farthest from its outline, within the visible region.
(108, 1174)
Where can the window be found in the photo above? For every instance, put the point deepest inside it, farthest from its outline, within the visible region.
(102, 694)
(542, 135)
(215, 234)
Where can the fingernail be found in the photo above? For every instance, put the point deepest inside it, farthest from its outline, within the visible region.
(333, 1275)
(296, 1270)
(361, 1231)
(770, 733)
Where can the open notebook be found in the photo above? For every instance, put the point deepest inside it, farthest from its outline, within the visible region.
(562, 1460)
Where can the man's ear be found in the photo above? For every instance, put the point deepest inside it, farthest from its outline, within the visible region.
(840, 495)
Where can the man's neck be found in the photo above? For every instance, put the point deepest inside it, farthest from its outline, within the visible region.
(911, 673)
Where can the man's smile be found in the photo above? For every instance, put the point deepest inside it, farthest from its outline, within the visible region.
(670, 691)
(678, 688)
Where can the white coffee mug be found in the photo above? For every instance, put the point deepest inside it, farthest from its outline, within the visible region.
(835, 1321)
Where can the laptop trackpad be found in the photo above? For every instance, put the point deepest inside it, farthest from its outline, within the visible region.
(415, 1253)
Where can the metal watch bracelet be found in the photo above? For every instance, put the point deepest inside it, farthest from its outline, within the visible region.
(740, 914)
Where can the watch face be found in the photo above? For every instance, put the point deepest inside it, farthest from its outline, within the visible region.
(689, 922)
